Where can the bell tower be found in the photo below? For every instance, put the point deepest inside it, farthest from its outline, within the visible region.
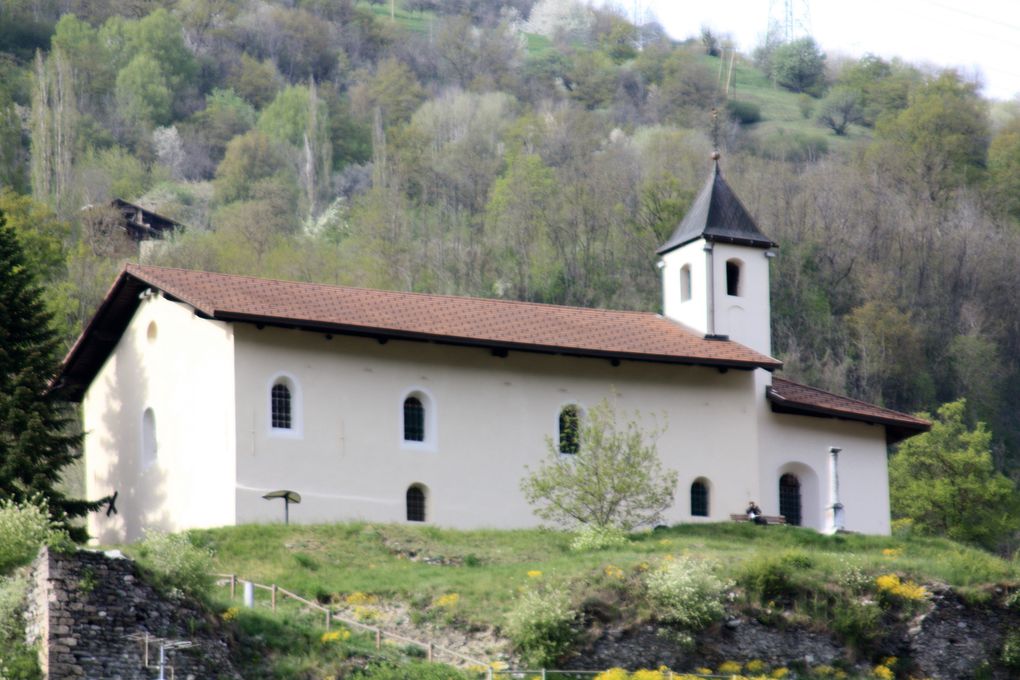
(715, 269)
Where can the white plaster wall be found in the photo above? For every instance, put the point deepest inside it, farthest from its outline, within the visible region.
(800, 444)
(693, 312)
(185, 374)
(744, 318)
(492, 418)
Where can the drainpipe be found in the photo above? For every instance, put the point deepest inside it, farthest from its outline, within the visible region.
(709, 263)
(836, 522)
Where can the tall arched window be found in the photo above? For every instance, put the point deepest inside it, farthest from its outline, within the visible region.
(699, 498)
(570, 429)
(685, 283)
(789, 499)
(733, 268)
(149, 451)
(415, 503)
(414, 420)
(281, 407)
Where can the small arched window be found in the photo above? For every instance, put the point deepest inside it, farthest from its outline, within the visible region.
(149, 451)
(415, 503)
(699, 498)
(685, 283)
(570, 429)
(281, 406)
(789, 499)
(414, 420)
(733, 268)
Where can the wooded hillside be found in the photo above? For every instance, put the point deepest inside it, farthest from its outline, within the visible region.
(526, 150)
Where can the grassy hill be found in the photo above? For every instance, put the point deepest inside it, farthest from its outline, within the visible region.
(445, 582)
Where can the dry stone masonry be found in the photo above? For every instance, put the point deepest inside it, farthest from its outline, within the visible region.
(87, 610)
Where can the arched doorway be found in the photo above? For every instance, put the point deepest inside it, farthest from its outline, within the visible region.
(789, 499)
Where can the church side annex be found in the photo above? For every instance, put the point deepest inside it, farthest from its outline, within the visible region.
(201, 392)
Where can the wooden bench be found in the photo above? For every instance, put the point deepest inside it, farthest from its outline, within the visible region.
(769, 519)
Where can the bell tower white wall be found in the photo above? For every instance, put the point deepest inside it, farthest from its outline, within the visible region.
(692, 309)
(711, 307)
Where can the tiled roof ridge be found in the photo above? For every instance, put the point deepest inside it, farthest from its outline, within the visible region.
(135, 268)
(861, 402)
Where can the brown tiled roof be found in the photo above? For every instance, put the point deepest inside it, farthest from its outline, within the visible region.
(500, 324)
(787, 396)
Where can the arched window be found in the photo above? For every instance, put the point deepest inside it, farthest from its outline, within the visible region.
(789, 499)
(733, 268)
(281, 406)
(414, 421)
(699, 498)
(415, 503)
(149, 452)
(570, 429)
(685, 283)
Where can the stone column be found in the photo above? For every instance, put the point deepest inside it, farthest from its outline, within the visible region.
(834, 516)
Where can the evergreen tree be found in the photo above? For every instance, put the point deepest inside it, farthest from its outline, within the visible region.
(36, 443)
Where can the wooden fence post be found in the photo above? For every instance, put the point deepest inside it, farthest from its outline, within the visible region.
(329, 619)
(430, 652)
(378, 638)
(273, 592)
(233, 585)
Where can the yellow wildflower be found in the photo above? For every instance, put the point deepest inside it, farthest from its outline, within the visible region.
(448, 601)
(754, 666)
(703, 671)
(613, 674)
(499, 665)
(883, 672)
(534, 573)
(892, 552)
(891, 584)
(358, 598)
(780, 673)
(613, 571)
(230, 614)
(365, 614)
(730, 667)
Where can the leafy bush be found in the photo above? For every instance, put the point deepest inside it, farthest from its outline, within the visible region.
(17, 660)
(686, 593)
(857, 624)
(590, 537)
(24, 529)
(541, 626)
(177, 563)
(1011, 650)
(744, 113)
(795, 147)
(768, 577)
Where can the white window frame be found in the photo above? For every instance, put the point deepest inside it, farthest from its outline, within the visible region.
(296, 429)
(428, 403)
(686, 283)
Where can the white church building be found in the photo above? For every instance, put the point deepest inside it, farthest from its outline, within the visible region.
(203, 392)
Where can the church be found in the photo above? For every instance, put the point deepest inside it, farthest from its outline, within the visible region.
(202, 392)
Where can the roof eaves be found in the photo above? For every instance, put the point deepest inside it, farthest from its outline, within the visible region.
(396, 334)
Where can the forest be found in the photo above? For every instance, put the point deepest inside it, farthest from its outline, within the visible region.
(534, 150)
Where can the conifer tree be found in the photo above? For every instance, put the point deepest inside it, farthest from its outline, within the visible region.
(36, 439)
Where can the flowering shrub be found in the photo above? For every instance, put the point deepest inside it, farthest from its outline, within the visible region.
(686, 593)
(541, 626)
(755, 666)
(589, 538)
(779, 673)
(892, 552)
(24, 528)
(730, 668)
(613, 674)
(883, 672)
(891, 587)
(534, 573)
(365, 614)
(230, 614)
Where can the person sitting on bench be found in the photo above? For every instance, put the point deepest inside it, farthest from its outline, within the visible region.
(754, 514)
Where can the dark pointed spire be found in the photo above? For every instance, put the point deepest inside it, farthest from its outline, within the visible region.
(717, 215)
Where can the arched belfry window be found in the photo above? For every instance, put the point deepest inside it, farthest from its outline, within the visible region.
(733, 271)
(789, 499)
(570, 429)
(282, 407)
(685, 283)
(699, 498)
(414, 420)
(149, 446)
(415, 503)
